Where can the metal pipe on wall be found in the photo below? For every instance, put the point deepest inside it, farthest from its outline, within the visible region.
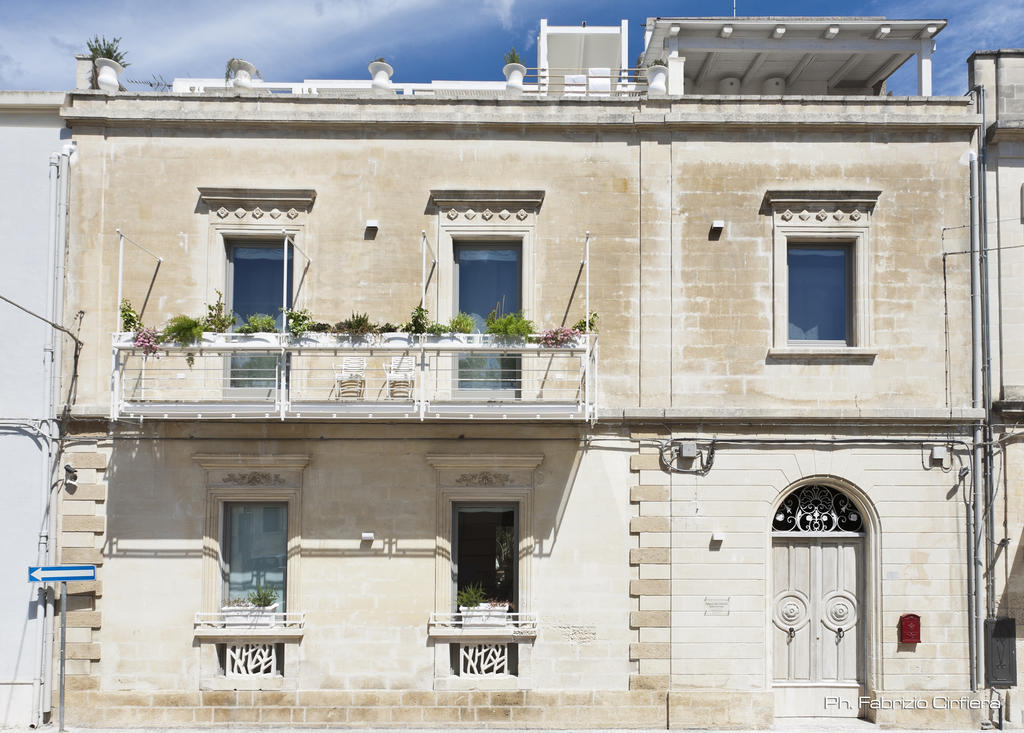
(977, 400)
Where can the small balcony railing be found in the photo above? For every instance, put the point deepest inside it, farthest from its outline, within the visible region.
(326, 376)
(462, 625)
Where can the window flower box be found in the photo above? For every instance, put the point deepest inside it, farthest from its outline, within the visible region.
(249, 616)
(486, 614)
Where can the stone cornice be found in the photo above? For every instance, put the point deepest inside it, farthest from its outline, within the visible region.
(286, 198)
(828, 198)
(486, 460)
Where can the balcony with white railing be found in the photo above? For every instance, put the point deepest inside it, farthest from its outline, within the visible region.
(334, 377)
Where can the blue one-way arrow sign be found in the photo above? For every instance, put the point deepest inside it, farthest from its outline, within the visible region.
(56, 573)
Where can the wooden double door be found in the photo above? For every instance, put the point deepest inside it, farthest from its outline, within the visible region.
(817, 625)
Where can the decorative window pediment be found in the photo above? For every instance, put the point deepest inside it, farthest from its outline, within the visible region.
(257, 204)
(489, 206)
(820, 208)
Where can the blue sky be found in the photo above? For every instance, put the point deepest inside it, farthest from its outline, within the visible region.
(423, 39)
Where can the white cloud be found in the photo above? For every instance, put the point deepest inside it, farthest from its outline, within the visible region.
(972, 27)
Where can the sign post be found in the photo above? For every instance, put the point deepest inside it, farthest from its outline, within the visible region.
(62, 574)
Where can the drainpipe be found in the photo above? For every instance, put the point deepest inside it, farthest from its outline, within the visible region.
(60, 167)
(44, 609)
(978, 461)
(986, 348)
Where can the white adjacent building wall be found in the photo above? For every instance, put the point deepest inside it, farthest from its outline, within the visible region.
(30, 131)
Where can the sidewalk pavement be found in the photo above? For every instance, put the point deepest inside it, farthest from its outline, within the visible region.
(792, 725)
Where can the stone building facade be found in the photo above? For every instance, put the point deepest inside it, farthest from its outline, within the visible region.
(712, 513)
(998, 76)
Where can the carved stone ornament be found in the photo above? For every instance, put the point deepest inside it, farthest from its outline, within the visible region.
(257, 213)
(484, 478)
(822, 215)
(486, 215)
(521, 214)
(838, 215)
(222, 212)
(855, 215)
(254, 478)
(274, 213)
(786, 215)
(292, 213)
(453, 214)
(470, 214)
(239, 212)
(504, 214)
(804, 216)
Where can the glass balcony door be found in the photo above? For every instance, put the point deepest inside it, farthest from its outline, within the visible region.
(488, 277)
(255, 281)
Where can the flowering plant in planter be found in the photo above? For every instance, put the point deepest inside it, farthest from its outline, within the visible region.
(148, 340)
(559, 336)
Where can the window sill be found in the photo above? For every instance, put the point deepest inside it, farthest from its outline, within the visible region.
(824, 352)
(281, 634)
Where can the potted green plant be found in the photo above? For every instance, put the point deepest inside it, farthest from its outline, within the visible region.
(256, 609)
(455, 331)
(514, 71)
(357, 329)
(510, 328)
(240, 73)
(108, 62)
(657, 77)
(259, 328)
(381, 73)
(477, 609)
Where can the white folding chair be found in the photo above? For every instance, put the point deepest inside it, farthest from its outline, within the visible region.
(350, 377)
(401, 376)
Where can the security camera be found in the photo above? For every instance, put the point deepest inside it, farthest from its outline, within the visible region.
(70, 474)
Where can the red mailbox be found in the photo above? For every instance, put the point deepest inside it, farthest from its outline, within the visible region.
(910, 628)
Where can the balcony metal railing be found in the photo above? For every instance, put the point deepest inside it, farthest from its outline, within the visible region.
(324, 376)
(249, 619)
(540, 82)
(464, 624)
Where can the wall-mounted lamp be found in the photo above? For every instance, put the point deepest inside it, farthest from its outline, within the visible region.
(70, 474)
(370, 230)
(718, 537)
(366, 537)
(717, 227)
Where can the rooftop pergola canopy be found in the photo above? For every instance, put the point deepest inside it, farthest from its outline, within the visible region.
(790, 55)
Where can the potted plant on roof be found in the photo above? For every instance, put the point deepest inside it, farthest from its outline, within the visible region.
(657, 77)
(255, 610)
(514, 71)
(240, 73)
(380, 72)
(477, 609)
(108, 62)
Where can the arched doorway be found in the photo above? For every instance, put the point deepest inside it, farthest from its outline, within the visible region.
(818, 628)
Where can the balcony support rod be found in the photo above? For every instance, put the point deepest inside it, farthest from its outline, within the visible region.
(122, 238)
(586, 283)
(424, 248)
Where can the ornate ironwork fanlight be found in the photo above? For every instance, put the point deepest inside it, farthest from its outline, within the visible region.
(818, 509)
